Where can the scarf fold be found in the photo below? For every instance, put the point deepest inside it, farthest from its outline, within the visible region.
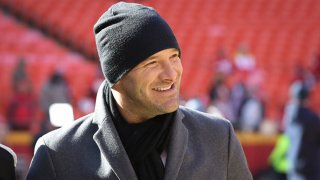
(143, 142)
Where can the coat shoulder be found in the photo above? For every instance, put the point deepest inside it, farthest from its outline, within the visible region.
(72, 134)
(205, 121)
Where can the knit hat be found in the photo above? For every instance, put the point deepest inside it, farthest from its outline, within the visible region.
(127, 34)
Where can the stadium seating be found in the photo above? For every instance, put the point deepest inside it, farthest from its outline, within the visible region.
(43, 55)
(279, 33)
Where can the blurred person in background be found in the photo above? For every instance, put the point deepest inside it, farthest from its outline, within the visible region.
(291, 107)
(217, 81)
(21, 111)
(223, 103)
(304, 136)
(22, 108)
(244, 61)
(138, 129)
(55, 90)
(238, 97)
(220, 98)
(253, 111)
(222, 65)
(278, 158)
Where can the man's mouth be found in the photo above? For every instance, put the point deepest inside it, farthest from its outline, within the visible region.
(164, 88)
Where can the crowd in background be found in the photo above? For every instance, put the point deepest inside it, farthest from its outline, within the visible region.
(242, 102)
(29, 111)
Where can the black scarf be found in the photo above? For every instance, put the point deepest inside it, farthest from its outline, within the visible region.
(143, 142)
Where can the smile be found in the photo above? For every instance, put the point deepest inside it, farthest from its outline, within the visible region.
(161, 89)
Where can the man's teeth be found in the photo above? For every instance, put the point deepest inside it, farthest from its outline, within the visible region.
(162, 89)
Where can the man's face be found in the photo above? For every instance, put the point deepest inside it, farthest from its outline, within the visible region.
(152, 87)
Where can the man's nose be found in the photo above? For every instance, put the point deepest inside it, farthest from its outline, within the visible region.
(169, 72)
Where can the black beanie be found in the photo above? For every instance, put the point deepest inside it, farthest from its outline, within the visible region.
(128, 33)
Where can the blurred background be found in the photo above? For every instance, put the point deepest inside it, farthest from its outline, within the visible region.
(242, 60)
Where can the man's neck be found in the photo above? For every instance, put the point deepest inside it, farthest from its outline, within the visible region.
(129, 113)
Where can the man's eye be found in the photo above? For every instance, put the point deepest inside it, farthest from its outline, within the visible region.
(175, 57)
(151, 63)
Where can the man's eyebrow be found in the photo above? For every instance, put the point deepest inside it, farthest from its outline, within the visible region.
(151, 57)
(148, 60)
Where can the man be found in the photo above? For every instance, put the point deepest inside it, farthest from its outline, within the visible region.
(304, 136)
(138, 130)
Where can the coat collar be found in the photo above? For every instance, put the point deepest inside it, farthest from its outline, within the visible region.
(177, 147)
(108, 140)
(110, 145)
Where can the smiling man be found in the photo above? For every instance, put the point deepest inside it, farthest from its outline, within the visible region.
(151, 88)
(138, 130)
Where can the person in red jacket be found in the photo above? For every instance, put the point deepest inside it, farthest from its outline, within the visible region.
(22, 108)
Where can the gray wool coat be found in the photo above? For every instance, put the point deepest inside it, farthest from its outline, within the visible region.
(201, 147)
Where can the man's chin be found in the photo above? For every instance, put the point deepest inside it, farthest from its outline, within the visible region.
(166, 106)
(170, 109)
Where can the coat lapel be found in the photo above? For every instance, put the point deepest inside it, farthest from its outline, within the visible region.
(109, 141)
(177, 147)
